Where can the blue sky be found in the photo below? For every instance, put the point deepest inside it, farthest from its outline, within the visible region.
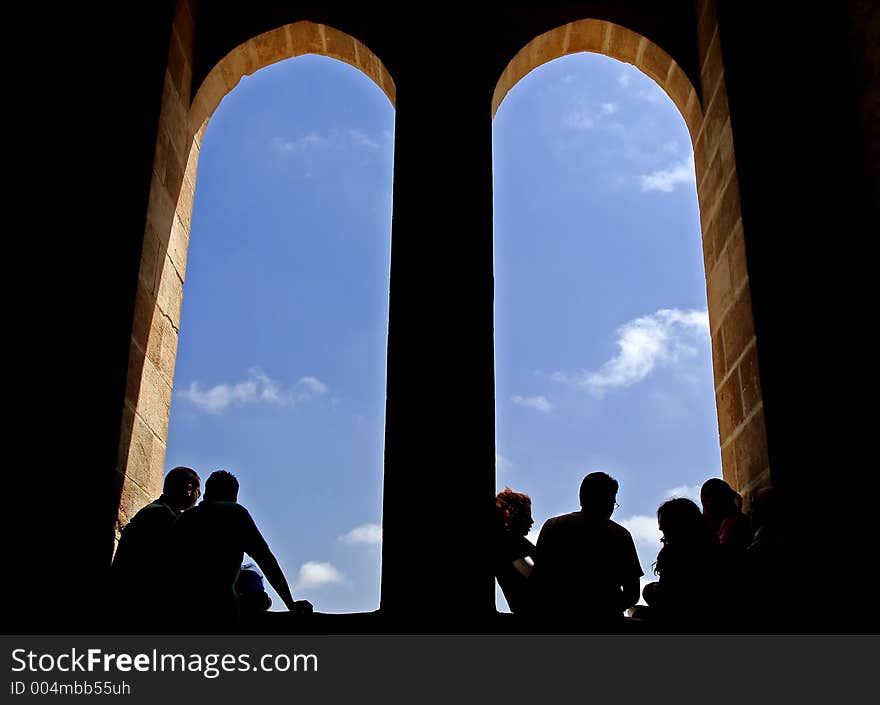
(602, 349)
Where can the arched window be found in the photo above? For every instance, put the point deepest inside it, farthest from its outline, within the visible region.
(281, 370)
(611, 291)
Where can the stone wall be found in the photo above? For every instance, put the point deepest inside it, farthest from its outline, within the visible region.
(182, 122)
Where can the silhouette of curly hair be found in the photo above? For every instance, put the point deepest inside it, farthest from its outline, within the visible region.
(510, 503)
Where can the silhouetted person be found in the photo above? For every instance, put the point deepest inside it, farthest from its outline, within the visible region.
(733, 530)
(586, 568)
(142, 564)
(722, 510)
(210, 542)
(252, 596)
(768, 562)
(512, 548)
(687, 593)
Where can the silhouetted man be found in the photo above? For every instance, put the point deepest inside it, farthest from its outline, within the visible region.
(141, 565)
(586, 568)
(210, 542)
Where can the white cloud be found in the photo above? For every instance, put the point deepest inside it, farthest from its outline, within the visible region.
(258, 388)
(578, 120)
(299, 143)
(313, 575)
(643, 528)
(335, 140)
(502, 463)
(538, 403)
(363, 139)
(365, 533)
(312, 385)
(646, 342)
(646, 534)
(667, 179)
(652, 95)
(587, 114)
(642, 87)
(649, 577)
(691, 492)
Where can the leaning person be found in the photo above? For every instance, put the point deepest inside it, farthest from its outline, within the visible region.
(514, 554)
(210, 541)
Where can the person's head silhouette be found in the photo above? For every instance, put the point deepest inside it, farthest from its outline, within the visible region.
(181, 488)
(514, 511)
(680, 520)
(764, 507)
(719, 499)
(597, 494)
(221, 486)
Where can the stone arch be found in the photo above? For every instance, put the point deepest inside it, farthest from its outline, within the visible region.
(741, 428)
(182, 122)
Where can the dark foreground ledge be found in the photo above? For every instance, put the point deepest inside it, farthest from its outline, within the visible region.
(497, 623)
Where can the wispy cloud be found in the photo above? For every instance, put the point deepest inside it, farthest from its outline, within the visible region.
(298, 143)
(539, 403)
(578, 120)
(643, 528)
(312, 385)
(365, 533)
(363, 139)
(337, 139)
(257, 388)
(663, 337)
(691, 492)
(502, 463)
(646, 535)
(667, 179)
(641, 86)
(653, 95)
(314, 575)
(587, 115)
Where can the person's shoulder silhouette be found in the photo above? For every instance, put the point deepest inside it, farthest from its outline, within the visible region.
(143, 562)
(586, 566)
(210, 542)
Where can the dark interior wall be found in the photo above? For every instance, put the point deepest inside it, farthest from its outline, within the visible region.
(441, 35)
(90, 88)
(799, 134)
(801, 146)
(863, 56)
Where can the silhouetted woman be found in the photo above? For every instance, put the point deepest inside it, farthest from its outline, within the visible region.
(687, 565)
(513, 551)
(722, 510)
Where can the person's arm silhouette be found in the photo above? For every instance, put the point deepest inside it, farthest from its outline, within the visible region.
(259, 550)
(630, 592)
